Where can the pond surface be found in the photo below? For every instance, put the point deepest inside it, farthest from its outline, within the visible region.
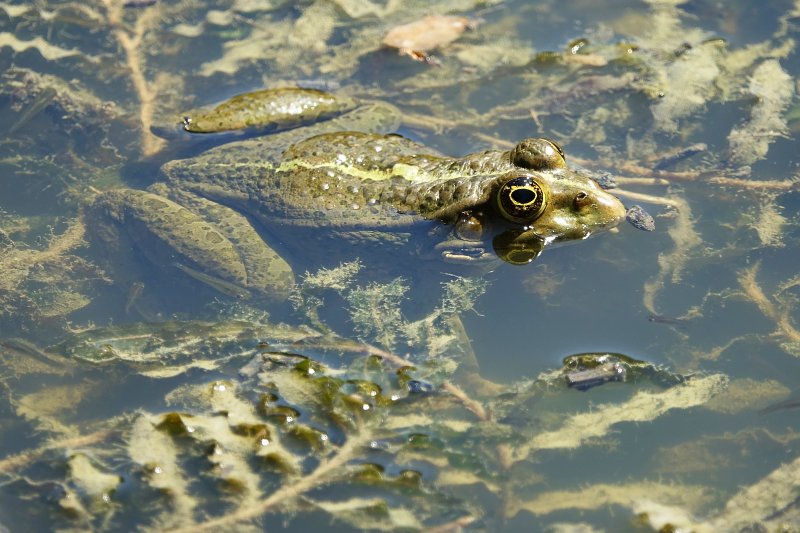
(415, 399)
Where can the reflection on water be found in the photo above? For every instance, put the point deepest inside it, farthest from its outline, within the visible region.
(419, 400)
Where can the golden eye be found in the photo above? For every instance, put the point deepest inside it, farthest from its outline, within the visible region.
(538, 154)
(522, 199)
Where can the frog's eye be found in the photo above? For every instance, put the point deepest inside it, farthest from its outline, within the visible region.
(538, 154)
(522, 199)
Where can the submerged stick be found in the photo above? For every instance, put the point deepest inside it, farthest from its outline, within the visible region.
(131, 45)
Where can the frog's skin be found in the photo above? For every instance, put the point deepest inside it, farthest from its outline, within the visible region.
(585, 370)
(231, 216)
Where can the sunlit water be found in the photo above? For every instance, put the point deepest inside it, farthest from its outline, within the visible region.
(619, 292)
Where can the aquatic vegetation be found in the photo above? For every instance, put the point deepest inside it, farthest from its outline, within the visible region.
(770, 502)
(48, 282)
(773, 89)
(778, 309)
(300, 425)
(390, 404)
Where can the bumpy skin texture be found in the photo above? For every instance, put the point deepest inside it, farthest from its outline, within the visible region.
(311, 195)
(267, 109)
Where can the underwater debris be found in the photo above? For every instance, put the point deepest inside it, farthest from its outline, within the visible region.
(376, 313)
(417, 38)
(72, 108)
(770, 223)
(49, 51)
(640, 219)
(92, 481)
(603, 494)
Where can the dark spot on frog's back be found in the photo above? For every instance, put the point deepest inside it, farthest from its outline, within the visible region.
(212, 236)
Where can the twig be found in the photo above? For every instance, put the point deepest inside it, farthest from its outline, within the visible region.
(130, 43)
(473, 406)
(625, 180)
(639, 170)
(770, 185)
(428, 122)
(649, 198)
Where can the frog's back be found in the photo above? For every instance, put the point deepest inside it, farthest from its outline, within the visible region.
(291, 175)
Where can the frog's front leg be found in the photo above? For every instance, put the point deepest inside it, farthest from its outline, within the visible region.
(209, 242)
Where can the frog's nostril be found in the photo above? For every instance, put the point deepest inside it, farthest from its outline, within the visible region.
(581, 199)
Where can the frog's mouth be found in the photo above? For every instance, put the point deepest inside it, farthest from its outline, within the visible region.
(463, 252)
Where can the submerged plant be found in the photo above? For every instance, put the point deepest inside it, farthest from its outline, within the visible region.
(365, 410)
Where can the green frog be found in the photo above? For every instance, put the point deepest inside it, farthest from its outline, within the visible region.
(586, 370)
(237, 215)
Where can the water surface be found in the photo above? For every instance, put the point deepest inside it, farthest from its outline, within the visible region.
(181, 425)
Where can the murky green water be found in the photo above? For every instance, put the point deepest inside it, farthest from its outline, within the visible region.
(215, 412)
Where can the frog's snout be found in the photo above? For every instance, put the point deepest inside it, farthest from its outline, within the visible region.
(610, 211)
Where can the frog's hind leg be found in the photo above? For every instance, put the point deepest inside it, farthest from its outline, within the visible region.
(118, 258)
(265, 272)
(136, 227)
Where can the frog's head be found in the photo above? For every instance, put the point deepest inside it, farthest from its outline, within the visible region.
(537, 201)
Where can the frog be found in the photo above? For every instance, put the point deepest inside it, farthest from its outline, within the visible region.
(316, 177)
(586, 370)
